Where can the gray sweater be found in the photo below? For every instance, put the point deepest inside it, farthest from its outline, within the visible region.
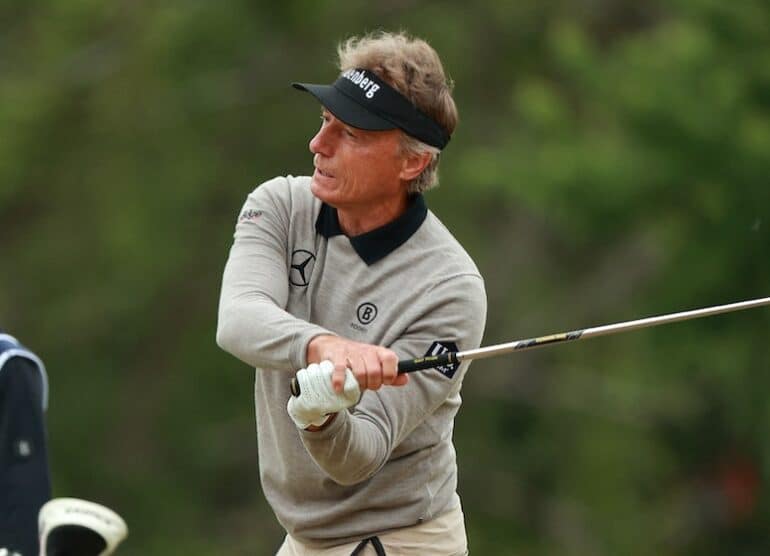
(291, 275)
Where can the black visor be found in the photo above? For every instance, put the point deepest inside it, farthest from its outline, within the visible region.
(361, 99)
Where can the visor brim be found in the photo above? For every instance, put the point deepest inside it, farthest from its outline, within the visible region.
(345, 108)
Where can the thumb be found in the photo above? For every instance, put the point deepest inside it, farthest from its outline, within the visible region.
(351, 390)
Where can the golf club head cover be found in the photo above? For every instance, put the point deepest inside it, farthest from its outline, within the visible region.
(74, 527)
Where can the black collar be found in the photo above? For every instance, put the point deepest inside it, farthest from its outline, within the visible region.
(380, 242)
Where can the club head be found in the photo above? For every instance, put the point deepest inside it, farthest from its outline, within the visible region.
(74, 527)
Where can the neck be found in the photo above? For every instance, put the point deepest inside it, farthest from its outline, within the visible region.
(356, 220)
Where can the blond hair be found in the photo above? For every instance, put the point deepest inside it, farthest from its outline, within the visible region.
(413, 68)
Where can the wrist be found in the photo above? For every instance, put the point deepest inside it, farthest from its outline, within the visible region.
(316, 347)
(322, 426)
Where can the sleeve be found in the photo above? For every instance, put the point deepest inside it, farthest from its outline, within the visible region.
(360, 441)
(253, 324)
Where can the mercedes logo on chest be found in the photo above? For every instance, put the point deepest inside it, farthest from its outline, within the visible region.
(301, 269)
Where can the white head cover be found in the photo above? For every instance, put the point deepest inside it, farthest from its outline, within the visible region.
(61, 512)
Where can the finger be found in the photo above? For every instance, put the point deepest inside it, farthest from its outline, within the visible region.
(327, 368)
(358, 366)
(352, 390)
(389, 363)
(401, 380)
(373, 370)
(338, 376)
(306, 375)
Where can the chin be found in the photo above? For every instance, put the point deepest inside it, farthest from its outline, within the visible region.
(315, 189)
(321, 192)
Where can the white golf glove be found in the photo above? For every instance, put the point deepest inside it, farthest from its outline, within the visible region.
(317, 397)
(74, 526)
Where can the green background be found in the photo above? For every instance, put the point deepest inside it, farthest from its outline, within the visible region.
(611, 162)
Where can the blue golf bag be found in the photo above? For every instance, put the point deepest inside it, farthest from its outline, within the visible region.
(25, 483)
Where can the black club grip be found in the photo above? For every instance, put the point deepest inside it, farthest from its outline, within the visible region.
(427, 362)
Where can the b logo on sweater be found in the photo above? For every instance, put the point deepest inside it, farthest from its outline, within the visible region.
(439, 347)
(366, 313)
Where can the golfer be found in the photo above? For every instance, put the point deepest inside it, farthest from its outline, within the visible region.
(336, 277)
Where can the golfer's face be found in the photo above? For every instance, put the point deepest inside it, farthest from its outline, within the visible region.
(354, 167)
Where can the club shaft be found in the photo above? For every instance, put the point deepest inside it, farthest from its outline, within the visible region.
(607, 329)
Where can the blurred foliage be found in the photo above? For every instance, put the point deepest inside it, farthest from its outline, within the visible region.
(611, 163)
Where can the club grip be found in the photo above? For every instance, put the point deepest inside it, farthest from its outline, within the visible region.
(427, 362)
(405, 366)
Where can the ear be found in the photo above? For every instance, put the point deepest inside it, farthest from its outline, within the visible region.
(412, 165)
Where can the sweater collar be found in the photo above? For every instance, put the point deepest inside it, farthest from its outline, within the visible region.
(380, 242)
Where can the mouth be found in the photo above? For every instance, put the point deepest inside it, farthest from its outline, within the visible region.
(323, 173)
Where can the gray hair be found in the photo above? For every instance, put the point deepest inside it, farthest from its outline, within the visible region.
(428, 178)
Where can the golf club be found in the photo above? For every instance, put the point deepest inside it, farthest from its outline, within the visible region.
(451, 357)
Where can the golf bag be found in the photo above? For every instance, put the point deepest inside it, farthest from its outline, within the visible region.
(25, 483)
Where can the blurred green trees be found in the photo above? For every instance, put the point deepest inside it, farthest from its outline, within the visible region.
(611, 163)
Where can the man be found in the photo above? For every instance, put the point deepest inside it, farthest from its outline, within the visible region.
(340, 275)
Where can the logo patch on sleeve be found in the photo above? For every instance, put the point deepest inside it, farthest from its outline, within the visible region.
(439, 347)
(250, 215)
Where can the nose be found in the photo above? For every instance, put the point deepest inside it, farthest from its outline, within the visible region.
(321, 142)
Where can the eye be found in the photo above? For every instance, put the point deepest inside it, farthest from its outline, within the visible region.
(349, 132)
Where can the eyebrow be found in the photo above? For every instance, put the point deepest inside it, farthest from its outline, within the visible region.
(325, 111)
